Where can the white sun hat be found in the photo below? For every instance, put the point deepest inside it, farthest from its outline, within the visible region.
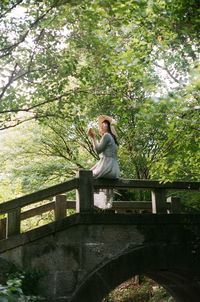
(111, 120)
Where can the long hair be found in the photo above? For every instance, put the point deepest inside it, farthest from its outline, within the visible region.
(109, 130)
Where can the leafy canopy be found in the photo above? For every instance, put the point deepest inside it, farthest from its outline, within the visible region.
(65, 62)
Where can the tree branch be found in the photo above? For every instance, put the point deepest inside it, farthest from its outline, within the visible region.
(10, 80)
(17, 122)
(168, 71)
(6, 51)
(11, 8)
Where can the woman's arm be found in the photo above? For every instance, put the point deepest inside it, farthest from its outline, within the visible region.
(101, 146)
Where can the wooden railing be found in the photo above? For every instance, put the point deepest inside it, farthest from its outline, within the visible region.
(85, 184)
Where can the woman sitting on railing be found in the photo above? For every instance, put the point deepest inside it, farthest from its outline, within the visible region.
(107, 166)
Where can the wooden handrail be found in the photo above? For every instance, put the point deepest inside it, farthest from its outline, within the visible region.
(119, 206)
(70, 204)
(85, 186)
(97, 183)
(38, 196)
(144, 184)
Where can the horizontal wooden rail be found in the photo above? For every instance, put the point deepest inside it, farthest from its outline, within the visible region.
(131, 205)
(50, 206)
(71, 204)
(38, 196)
(117, 205)
(144, 184)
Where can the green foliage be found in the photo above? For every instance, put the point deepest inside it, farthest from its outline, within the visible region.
(30, 277)
(146, 291)
(179, 156)
(34, 157)
(13, 290)
(66, 62)
(161, 295)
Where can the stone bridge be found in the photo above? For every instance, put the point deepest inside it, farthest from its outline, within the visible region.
(86, 255)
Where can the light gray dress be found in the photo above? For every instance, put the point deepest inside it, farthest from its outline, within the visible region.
(106, 167)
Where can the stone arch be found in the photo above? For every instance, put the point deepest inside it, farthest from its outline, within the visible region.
(172, 266)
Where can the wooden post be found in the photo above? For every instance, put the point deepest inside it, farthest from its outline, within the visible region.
(60, 207)
(175, 204)
(13, 222)
(3, 228)
(85, 192)
(158, 201)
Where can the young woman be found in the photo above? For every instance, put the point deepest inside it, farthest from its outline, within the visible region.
(107, 166)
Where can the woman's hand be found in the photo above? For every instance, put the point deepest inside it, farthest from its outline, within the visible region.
(91, 133)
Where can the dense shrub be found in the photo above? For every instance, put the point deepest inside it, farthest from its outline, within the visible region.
(12, 291)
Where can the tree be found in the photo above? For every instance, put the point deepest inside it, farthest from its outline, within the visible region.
(66, 62)
(179, 156)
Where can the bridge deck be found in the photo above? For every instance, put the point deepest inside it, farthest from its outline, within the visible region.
(102, 218)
